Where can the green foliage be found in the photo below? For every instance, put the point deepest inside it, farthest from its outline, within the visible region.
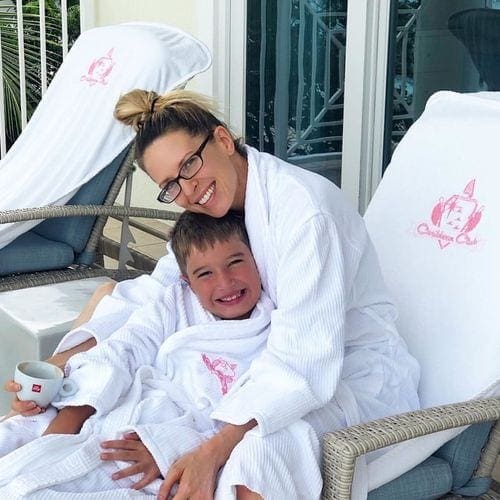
(31, 39)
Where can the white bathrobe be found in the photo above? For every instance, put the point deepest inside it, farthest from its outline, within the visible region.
(333, 356)
(161, 375)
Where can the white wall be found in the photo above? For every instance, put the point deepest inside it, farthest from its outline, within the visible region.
(194, 16)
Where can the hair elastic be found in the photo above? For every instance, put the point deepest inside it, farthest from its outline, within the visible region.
(153, 102)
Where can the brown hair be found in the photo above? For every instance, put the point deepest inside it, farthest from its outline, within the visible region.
(152, 115)
(194, 230)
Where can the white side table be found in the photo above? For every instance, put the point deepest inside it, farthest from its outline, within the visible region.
(33, 321)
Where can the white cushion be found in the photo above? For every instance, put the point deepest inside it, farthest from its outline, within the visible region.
(434, 221)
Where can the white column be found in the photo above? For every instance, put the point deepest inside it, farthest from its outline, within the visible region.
(364, 102)
(87, 15)
(222, 26)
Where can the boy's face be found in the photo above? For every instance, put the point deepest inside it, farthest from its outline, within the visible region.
(224, 278)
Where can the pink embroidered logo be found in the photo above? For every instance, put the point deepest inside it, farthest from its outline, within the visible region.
(100, 69)
(453, 220)
(223, 370)
(36, 388)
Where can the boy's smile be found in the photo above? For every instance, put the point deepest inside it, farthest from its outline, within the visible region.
(224, 278)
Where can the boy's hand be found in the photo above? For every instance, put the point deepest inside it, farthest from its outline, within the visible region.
(25, 408)
(132, 449)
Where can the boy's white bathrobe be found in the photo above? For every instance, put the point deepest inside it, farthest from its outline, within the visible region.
(162, 375)
(333, 356)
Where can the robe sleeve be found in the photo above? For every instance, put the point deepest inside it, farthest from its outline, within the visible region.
(114, 310)
(301, 365)
(106, 372)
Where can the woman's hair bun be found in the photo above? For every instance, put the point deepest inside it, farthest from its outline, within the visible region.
(135, 107)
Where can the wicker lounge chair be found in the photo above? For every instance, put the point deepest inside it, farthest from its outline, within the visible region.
(71, 160)
(434, 223)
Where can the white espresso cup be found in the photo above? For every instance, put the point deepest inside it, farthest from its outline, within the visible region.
(41, 382)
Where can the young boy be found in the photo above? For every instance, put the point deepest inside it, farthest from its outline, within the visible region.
(163, 373)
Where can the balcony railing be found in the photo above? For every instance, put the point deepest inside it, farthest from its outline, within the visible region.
(35, 37)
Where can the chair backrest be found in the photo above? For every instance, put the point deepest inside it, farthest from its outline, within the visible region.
(434, 221)
(75, 231)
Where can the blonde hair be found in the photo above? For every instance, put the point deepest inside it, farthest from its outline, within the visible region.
(152, 115)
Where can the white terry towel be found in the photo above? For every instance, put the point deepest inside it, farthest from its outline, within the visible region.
(434, 222)
(72, 135)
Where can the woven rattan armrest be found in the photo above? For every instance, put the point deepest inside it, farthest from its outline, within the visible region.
(16, 282)
(341, 448)
(25, 214)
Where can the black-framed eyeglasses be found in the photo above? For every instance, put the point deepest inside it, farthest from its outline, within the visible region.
(187, 171)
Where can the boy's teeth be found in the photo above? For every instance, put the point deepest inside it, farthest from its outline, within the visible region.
(232, 297)
(207, 195)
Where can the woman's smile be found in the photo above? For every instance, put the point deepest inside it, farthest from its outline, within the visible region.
(208, 195)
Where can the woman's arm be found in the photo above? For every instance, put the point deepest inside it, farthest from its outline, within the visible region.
(300, 367)
(196, 472)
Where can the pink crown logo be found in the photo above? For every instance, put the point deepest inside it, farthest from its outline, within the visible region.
(454, 219)
(100, 69)
(222, 369)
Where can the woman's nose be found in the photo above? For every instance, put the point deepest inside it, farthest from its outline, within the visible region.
(188, 186)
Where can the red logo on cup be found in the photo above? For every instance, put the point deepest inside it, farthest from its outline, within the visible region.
(36, 388)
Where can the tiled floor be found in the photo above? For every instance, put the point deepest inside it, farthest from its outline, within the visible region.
(145, 243)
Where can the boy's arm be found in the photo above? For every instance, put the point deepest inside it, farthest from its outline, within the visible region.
(69, 420)
(29, 408)
(106, 372)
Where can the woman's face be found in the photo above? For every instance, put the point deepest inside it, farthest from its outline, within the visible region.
(220, 183)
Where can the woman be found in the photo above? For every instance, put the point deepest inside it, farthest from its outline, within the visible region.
(333, 357)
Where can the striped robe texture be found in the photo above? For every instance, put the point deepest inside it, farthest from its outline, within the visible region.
(333, 356)
(161, 375)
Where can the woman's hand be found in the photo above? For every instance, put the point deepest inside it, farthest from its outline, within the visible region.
(132, 449)
(196, 472)
(25, 408)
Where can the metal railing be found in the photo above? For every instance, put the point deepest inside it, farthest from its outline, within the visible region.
(295, 84)
(301, 46)
(33, 43)
(403, 90)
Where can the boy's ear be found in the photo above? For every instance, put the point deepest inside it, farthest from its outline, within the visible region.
(185, 278)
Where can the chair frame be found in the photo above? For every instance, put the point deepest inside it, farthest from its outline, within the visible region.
(102, 212)
(343, 447)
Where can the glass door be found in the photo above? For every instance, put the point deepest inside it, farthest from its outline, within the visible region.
(295, 60)
(438, 45)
